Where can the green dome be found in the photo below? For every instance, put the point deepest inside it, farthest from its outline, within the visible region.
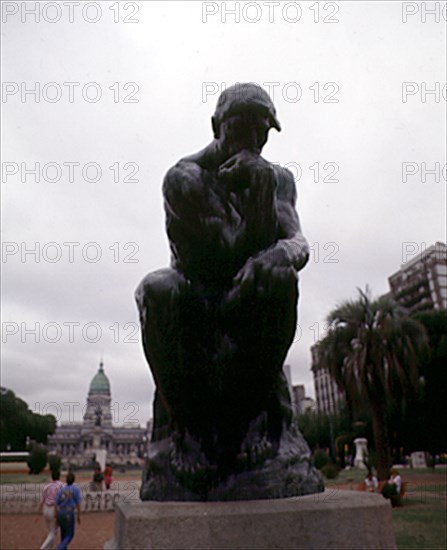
(100, 382)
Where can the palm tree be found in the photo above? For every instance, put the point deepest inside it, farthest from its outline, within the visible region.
(373, 349)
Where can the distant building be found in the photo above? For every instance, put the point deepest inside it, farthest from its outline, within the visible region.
(286, 369)
(298, 395)
(329, 397)
(308, 404)
(302, 403)
(421, 283)
(73, 441)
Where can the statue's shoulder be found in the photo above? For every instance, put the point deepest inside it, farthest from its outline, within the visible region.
(188, 173)
(182, 168)
(286, 189)
(184, 177)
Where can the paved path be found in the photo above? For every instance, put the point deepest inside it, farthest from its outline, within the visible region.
(24, 532)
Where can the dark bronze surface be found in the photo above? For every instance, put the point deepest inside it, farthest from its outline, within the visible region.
(218, 323)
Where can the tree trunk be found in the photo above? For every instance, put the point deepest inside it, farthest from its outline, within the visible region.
(380, 432)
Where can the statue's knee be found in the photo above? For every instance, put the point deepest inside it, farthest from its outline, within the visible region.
(158, 284)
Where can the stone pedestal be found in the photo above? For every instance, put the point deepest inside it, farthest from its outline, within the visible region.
(100, 454)
(100, 457)
(96, 438)
(333, 519)
(361, 452)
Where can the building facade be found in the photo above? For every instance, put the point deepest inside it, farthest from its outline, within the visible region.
(421, 283)
(328, 396)
(74, 441)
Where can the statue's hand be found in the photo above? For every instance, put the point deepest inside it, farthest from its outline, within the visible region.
(275, 256)
(246, 275)
(261, 269)
(241, 164)
(296, 249)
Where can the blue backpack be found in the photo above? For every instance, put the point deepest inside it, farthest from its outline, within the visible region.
(67, 503)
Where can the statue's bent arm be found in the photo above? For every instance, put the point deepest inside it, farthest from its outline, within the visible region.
(192, 213)
(292, 240)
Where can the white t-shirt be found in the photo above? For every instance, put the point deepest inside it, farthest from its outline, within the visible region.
(397, 482)
(371, 483)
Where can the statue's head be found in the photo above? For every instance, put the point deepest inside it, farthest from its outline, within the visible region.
(244, 115)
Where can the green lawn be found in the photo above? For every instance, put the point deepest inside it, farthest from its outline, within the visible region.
(421, 525)
(407, 474)
(128, 474)
(80, 474)
(421, 522)
(23, 478)
(346, 477)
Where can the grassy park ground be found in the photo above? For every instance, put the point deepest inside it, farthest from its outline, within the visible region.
(419, 524)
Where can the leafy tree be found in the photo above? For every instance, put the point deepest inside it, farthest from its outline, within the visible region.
(12, 421)
(332, 432)
(315, 429)
(373, 350)
(433, 405)
(17, 423)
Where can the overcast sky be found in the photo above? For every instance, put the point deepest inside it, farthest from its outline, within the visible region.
(145, 78)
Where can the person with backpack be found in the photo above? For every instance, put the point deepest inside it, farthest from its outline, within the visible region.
(67, 501)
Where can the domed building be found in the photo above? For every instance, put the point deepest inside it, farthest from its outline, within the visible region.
(99, 401)
(77, 441)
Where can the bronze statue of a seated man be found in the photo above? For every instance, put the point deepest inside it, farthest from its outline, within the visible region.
(218, 323)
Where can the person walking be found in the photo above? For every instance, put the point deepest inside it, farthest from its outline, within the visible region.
(47, 501)
(108, 476)
(98, 478)
(67, 501)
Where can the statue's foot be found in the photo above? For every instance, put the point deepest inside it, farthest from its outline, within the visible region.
(261, 472)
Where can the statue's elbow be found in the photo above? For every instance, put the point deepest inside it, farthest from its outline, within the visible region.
(301, 261)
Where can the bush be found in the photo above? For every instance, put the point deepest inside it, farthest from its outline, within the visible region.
(389, 490)
(14, 458)
(320, 459)
(330, 470)
(37, 459)
(54, 462)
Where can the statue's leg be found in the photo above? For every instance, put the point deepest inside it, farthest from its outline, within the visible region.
(158, 297)
(262, 324)
(178, 330)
